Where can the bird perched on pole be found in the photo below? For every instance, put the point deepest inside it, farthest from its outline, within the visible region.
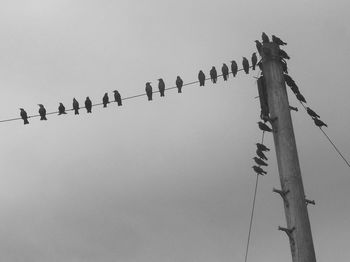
(117, 97)
(300, 97)
(213, 75)
(283, 54)
(264, 127)
(265, 38)
(262, 147)
(75, 106)
(277, 40)
(179, 83)
(312, 113)
(105, 100)
(201, 78)
(295, 89)
(258, 46)
(42, 112)
(261, 154)
(149, 91)
(61, 109)
(284, 66)
(224, 71)
(245, 64)
(259, 170)
(161, 86)
(254, 60)
(88, 104)
(289, 80)
(234, 68)
(24, 116)
(259, 161)
(319, 122)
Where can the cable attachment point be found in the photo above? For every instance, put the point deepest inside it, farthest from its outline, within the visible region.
(293, 108)
(311, 202)
(282, 194)
(287, 230)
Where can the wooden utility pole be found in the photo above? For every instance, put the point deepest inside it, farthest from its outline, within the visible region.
(298, 225)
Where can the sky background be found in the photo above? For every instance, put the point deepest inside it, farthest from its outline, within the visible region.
(167, 180)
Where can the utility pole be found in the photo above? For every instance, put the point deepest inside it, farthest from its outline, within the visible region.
(298, 225)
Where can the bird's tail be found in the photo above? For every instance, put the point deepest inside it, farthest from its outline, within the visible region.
(26, 121)
(43, 118)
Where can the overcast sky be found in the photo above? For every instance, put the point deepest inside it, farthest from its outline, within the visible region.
(168, 180)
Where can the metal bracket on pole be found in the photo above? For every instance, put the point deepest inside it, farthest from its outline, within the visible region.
(287, 231)
(282, 194)
(311, 202)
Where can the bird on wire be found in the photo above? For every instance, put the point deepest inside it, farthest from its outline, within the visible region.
(201, 78)
(265, 38)
(319, 122)
(264, 127)
(117, 97)
(261, 154)
(225, 71)
(312, 113)
(254, 60)
(245, 64)
(289, 80)
(75, 106)
(295, 89)
(148, 90)
(179, 83)
(42, 112)
(24, 116)
(258, 46)
(213, 75)
(262, 147)
(105, 100)
(234, 68)
(88, 104)
(61, 109)
(278, 40)
(259, 170)
(259, 161)
(300, 97)
(161, 86)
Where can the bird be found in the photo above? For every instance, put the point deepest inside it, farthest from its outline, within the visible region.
(261, 154)
(262, 147)
(312, 113)
(75, 106)
(105, 100)
(264, 127)
(254, 60)
(201, 78)
(61, 109)
(295, 89)
(284, 66)
(259, 170)
(245, 64)
(24, 116)
(265, 38)
(234, 67)
(117, 97)
(225, 71)
(259, 161)
(179, 83)
(213, 74)
(42, 112)
(258, 46)
(300, 97)
(88, 104)
(283, 54)
(289, 81)
(161, 86)
(149, 91)
(319, 122)
(278, 40)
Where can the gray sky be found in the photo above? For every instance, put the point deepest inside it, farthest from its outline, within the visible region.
(167, 180)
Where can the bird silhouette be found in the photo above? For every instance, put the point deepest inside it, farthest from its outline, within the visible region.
(161, 86)
(42, 112)
(264, 127)
(24, 116)
(259, 170)
(258, 46)
(179, 83)
(289, 80)
(295, 89)
(284, 66)
(254, 60)
(234, 68)
(262, 147)
(300, 97)
(117, 97)
(88, 104)
(283, 54)
(105, 100)
(149, 91)
(61, 109)
(312, 113)
(259, 161)
(245, 64)
(225, 71)
(265, 38)
(319, 122)
(76, 106)
(201, 78)
(261, 154)
(278, 40)
(213, 75)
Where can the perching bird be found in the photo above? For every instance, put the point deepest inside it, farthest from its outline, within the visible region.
(265, 38)
(88, 104)
(161, 86)
(254, 60)
(179, 83)
(117, 97)
(264, 127)
(289, 81)
(283, 54)
(234, 68)
(42, 112)
(245, 64)
(284, 66)
(300, 97)
(319, 122)
(24, 116)
(295, 89)
(149, 91)
(201, 78)
(224, 71)
(261, 154)
(277, 40)
(61, 109)
(259, 170)
(312, 113)
(262, 147)
(258, 46)
(213, 74)
(260, 162)
(105, 100)
(75, 106)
